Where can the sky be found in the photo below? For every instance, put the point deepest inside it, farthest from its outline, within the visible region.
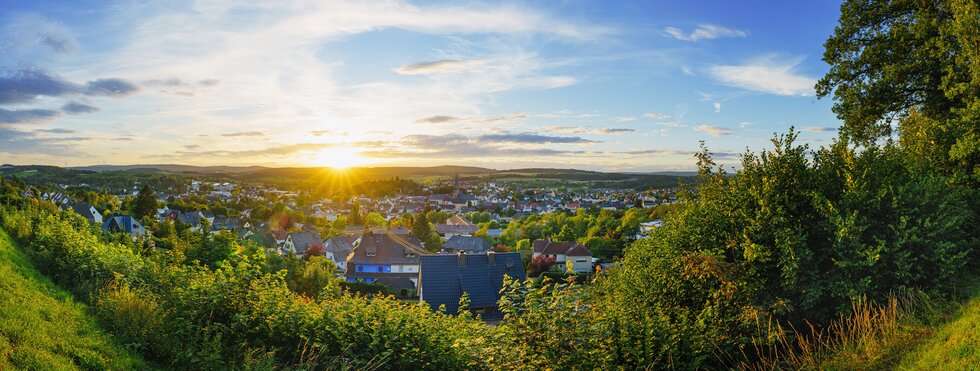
(598, 85)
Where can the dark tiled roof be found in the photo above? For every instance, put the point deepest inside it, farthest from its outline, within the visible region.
(304, 240)
(467, 244)
(83, 209)
(549, 247)
(444, 278)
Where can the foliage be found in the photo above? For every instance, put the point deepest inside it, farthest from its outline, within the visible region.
(785, 239)
(540, 264)
(146, 203)
(915, 63)
(42, 327)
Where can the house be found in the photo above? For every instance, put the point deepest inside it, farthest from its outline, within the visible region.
(579, 255)
(449, 230)
(456, 226)
(444, 278)
(389, 259)
(466, 244)
(299, 242)
(85, 210)
(337, 249)
(124, 224)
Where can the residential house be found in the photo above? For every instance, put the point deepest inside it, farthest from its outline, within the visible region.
(444, 278)
(124, 224)
(456, 226)
(337, 249)
(466, 244)
(562, 252)
(389, 259)
(299, 242)
(85, 210)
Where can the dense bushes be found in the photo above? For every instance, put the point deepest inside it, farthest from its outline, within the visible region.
(236, 315)
(785, 239)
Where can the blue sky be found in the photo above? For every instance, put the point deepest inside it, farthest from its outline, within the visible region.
(616, 86)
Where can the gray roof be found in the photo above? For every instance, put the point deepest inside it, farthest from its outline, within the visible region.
(85, 210)
(304, 240)
(467, 244)
(340, 246)
(456, 229)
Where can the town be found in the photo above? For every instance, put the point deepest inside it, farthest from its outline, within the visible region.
(447, 239)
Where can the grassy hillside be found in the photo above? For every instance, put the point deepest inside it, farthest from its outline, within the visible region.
(954, 346)
(42, 328)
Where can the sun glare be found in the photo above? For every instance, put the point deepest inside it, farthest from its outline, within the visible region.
(338, 158)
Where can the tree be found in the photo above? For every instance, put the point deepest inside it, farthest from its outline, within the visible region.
(146, 202)
(540, 264)
(355, 214)
(914, 63)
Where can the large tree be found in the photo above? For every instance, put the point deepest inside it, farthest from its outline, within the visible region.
(914, 65)
(146, 202)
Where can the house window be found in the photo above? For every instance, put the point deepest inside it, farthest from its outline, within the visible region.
(360, 268)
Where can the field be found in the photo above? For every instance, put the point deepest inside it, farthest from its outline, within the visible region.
(43, 328)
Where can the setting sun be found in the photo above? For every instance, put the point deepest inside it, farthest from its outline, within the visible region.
(338, 158)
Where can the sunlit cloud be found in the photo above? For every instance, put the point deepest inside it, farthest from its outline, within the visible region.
(705, 32)
(715, 131)
(768, 74)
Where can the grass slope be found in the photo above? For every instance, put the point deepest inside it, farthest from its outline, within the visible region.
(43, 328)
(954, 346)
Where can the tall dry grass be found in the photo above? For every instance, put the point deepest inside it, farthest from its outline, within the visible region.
(871, 334)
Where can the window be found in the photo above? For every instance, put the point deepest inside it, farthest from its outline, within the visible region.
(360, 268)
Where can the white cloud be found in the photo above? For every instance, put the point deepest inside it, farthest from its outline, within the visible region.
(658, 116)
(768, 75)
(705, 32)
(715, 131)
(717, 106)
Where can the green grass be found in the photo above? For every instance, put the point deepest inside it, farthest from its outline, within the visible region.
(953, 346)
(908, 332)
(43, 328)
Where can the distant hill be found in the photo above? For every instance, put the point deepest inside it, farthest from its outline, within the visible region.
(120, 175)
(172, 168)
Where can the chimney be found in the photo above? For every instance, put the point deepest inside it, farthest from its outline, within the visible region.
(491, 258)
(462, 259)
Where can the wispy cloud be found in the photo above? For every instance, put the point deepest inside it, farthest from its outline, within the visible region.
(767, 74)
(245, 134)
(442, 119)
(78, 108)
(658, 116)
(442, 66)
(705, 32)
(715, 131)
(530, 138)
(27, 116)
(819, 129)
(614, 131)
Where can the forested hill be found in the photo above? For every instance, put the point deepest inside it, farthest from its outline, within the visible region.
(117, 176)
